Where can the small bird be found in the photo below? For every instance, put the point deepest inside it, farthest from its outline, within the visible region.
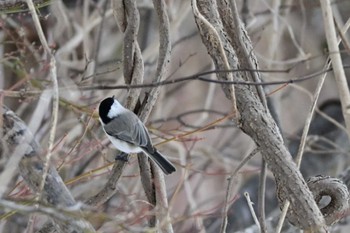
(128, 134)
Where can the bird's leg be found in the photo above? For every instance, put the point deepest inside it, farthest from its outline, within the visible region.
(122, 156)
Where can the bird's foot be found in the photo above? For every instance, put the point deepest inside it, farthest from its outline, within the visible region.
(122, 157)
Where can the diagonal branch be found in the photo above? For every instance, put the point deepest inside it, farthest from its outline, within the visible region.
(260, 126)
(31, 168)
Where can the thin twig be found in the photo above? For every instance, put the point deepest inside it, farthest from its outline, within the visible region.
(251, 208)
(199, 77)
(229, 188)
(55, 96)
(339, 73)
(261, 197)
(99, 36)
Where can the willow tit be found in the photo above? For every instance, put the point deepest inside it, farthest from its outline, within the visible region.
(128, 134)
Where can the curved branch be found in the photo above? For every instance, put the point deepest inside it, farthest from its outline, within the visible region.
(256, 122)
(321, 186)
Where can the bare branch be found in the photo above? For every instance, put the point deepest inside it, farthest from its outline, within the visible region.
(339, 73)
(55, 96)
(258, 123)
(31, 168)
(199, 77)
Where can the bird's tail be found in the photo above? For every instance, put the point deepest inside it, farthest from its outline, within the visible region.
(161, 161)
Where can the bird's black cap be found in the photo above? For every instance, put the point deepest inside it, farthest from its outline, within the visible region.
(104, 108)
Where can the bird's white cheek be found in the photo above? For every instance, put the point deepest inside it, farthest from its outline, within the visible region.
(116, 109)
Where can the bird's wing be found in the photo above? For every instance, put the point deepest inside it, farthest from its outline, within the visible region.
(127, 127)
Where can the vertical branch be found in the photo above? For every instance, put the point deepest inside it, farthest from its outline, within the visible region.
(149, 102)
(339, 73)
(163, 57)
(216, 42)
(261, 197)
(55, 96)
(133, 73)
(240, 42)
(133, 64)
(127, 17)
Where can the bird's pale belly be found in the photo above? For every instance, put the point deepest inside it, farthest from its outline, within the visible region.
(124, 146)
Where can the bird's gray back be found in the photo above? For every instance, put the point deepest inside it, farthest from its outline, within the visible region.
(129, 128)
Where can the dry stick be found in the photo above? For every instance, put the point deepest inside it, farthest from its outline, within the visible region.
(161, 74)
(258, 124)
(212, 31)
(132, 58)
(133, 73)
(339, 24)
(339, 74)
(251, 208)
(31, 169)
(241, 43)
(99, 36)
(135, 61)
(302, 144)
(54, 212)
(231, 95)
(205, 27)
(8, 172)
(198, 77)
(78, 37)
(248, 59)
(277, 31)
(305, 132)
(55, 96)
(189, 192)
(229, 188)
(261, 197)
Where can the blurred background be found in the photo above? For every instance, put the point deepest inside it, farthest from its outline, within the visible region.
(287, 36)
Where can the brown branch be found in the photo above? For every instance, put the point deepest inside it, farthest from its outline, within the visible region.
(127, 16)
(321, 186)
(210, 27)
(260, 126)
(128, 20)
(148, 104)
(199, 77)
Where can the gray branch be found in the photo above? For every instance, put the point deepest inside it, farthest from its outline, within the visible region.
(256, 122)
(31, 167)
